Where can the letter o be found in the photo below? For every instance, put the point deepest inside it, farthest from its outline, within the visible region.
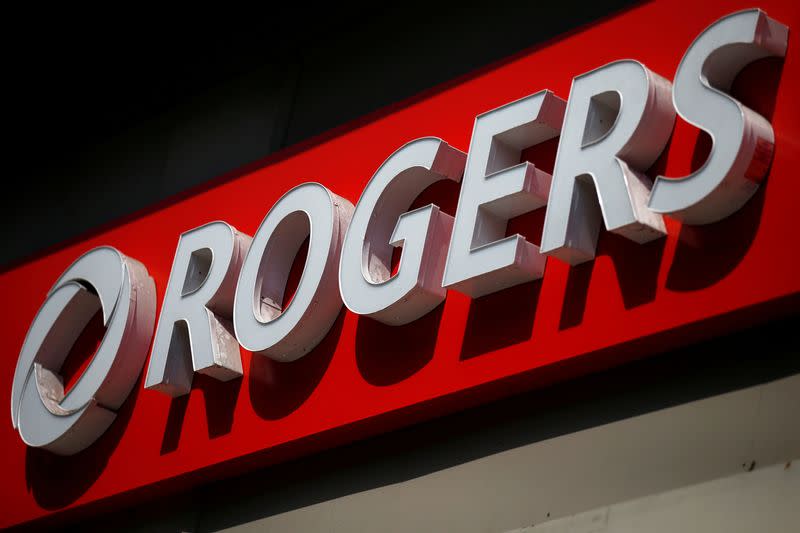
(101, 279)
(261, 323)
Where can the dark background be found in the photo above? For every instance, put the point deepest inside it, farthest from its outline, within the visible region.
(109, 113)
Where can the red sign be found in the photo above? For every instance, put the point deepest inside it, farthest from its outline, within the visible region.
(365, 377)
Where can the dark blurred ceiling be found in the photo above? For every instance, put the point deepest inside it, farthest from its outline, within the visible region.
(74, 80)
(72, 77)
(71, 82)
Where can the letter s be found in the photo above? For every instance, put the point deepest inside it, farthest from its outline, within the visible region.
(743, 140)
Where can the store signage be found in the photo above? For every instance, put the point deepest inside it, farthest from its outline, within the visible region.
(616, 123)
(228, 290)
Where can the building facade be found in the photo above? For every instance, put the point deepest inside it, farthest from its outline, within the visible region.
(651, 388)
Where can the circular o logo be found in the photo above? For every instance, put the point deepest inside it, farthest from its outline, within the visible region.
(102, 279)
